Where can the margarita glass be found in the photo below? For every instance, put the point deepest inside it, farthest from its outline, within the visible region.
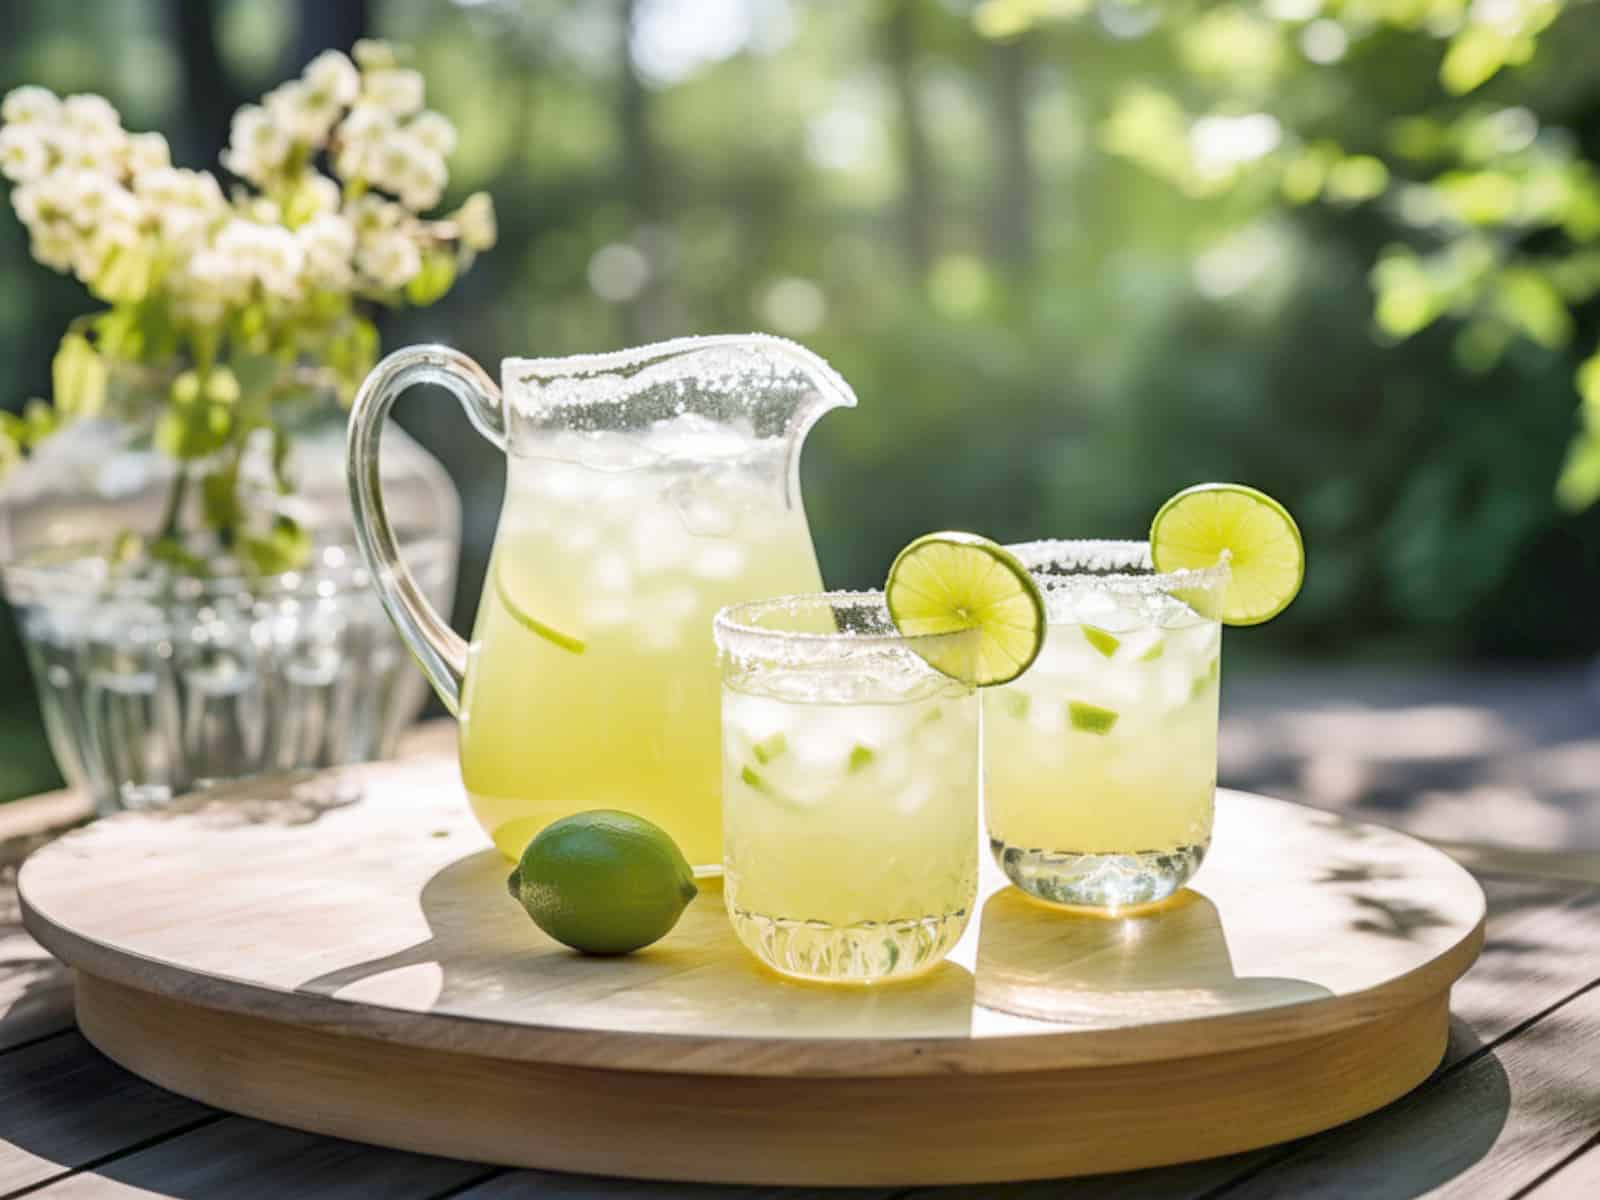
(849, 788)
(1100, 763)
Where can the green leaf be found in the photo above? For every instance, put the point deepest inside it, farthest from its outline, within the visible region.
(284, 548)
(435, 278)
(193, 431)
(78, 376)
(127, 274)
(1579, 484)
(169, 550)
(39, 421)
(127, 547)
(1475, 56)
(352, 355)
(282, 448)
(219, 498)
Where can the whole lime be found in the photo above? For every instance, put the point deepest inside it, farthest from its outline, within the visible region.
(603, 882)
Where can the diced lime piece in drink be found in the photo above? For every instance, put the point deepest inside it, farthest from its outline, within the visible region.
(861, 758)
(769, 748)
(753, 780)
(1205, 679)
(1156, 650)
(531, 623)
(1090, 718)
(1015, 705)
(955, 583)
(1266, 558)
(1101, 640)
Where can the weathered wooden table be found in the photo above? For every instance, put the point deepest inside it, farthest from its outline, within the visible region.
(1513, 1111)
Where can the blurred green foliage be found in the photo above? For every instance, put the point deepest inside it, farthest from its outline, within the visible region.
(1072, 254)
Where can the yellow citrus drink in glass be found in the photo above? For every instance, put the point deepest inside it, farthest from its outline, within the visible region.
(592, 678)
(1100, 763)
(850, 777)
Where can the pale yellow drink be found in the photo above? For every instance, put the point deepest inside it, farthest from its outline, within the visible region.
(593, 680)
(1100, 763)
(850, 809)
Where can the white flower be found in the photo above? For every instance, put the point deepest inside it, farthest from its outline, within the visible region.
(396, 89)
(161, 187)
(358, 139)
(268, 253)
(27, 104)
(374, 214)
(214, 275)
(390, 260)
(423, 182)
(260, 209)
(27, 201)
(327, 241)
(91, 254)
(148, 152)
(257, 145)
(405, 167)
(374, 54)
(54, 249)
(24, 156)
(322, 195)
(475, 222)
(304, 115)
(91, 115)
(332, 75)
(184, 230)
(434, 131)
(202, 191)
(90, 196)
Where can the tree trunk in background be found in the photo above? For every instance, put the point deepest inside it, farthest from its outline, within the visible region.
(917, 198)
(1011, 205)
(644, 318)
(330, 26)
(209, 94)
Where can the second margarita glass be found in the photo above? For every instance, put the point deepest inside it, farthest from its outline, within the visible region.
(1100, 763)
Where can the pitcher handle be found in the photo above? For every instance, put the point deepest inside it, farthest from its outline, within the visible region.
(440, 650)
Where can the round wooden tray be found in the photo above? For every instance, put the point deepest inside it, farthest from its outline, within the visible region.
(337, 952)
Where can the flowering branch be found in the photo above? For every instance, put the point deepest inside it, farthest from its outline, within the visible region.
(229, 291)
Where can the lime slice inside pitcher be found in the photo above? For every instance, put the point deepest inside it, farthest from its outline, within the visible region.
(1266, 558)
(533, 608)
(954, 583)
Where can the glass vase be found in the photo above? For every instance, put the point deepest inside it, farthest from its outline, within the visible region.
(155, 681)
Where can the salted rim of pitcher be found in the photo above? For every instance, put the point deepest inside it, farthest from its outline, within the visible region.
(610, 360)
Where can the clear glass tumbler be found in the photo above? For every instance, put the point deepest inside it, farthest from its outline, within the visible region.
(850, 789)
(1100, 763)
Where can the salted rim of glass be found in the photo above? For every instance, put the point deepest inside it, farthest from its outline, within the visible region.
(1116, 566)
(735, 631)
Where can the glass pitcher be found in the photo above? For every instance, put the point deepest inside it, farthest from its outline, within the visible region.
(645, 490)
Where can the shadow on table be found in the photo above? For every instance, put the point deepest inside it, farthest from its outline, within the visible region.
(491, 962)
(1169, 962)
(1411, 1148)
